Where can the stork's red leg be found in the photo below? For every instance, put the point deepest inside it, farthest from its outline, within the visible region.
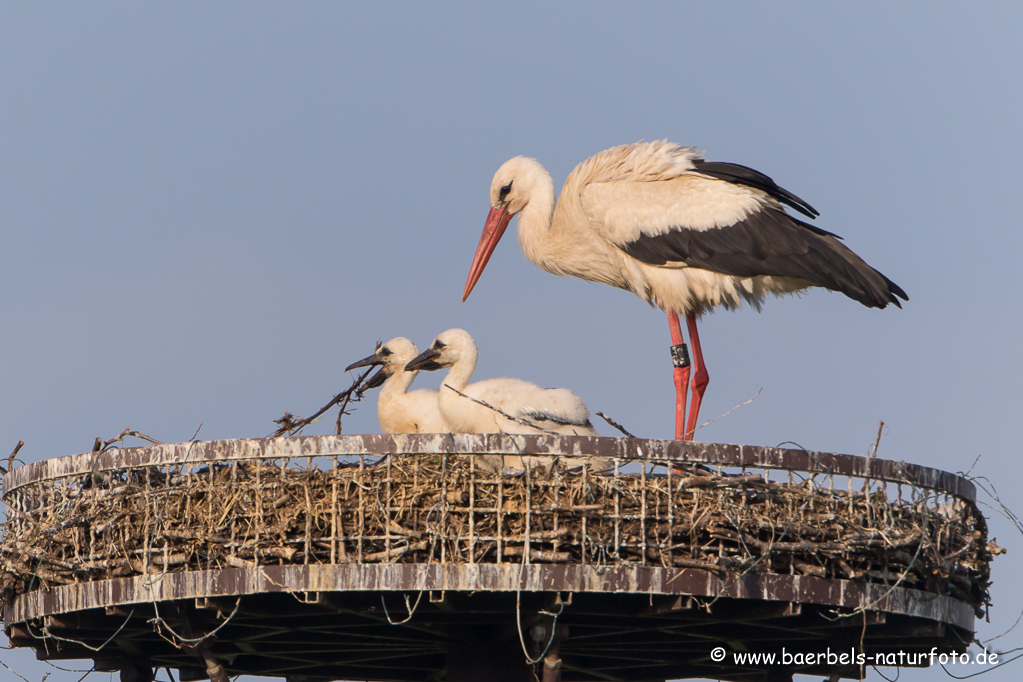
(700, 376)
(680, 357)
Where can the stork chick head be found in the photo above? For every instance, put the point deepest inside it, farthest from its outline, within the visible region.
(391, 357)
(450, 347)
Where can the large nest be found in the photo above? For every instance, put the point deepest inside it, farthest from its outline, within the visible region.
(449, 509)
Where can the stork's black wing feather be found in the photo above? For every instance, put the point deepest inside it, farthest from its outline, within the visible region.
(769, 242)
(744, 175)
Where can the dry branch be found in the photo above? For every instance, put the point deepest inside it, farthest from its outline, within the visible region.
(877, 441)
(292, 424)
(613, 423)
(10, 458)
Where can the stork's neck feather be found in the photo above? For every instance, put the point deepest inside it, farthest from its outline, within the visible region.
(558, 238)
(398, 383)
(462, 369)
(535, 221)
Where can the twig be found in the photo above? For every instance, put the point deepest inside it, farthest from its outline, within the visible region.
(501, 412)
(873, 453)
(47, 632)
(613, 423)
(10, 460)
(711, 421)
(408, 607)
(13, 671)
(120, 436)
(292, 424)
(877, 441)
(103, 445)
(143, 436)
(970, 470)
(348, 398)
(68, 670)
(159, 622)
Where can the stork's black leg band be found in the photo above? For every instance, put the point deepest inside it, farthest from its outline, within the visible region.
(680, 355)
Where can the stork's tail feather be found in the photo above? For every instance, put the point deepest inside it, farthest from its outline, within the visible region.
(869, 287)
(895, 292)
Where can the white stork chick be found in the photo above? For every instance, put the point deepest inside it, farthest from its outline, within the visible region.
(398, 409)
(534, 409)
(682, 233)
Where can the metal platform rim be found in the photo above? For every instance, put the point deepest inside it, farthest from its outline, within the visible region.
(201, 452)
(307, 582)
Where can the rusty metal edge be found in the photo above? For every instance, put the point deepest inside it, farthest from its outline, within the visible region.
(462, 443)
(303, 580)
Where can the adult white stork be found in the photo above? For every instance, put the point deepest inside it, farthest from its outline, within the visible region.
(682, 233)
(531, 409)
(398, 409)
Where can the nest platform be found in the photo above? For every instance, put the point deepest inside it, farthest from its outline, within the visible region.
(382, 557)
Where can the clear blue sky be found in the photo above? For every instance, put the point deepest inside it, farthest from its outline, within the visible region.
(208, 210)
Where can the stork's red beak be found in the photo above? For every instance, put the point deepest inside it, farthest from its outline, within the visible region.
(493, 230)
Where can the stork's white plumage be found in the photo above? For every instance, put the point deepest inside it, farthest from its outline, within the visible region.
(682, 233)
(546, 409)
(398, 409)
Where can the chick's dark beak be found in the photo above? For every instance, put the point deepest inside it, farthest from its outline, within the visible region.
(426, 360)
(376, 380)
(365, 362)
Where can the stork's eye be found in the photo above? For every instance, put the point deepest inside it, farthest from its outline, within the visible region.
(504, 191)
(437, 345)
(384, 352)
